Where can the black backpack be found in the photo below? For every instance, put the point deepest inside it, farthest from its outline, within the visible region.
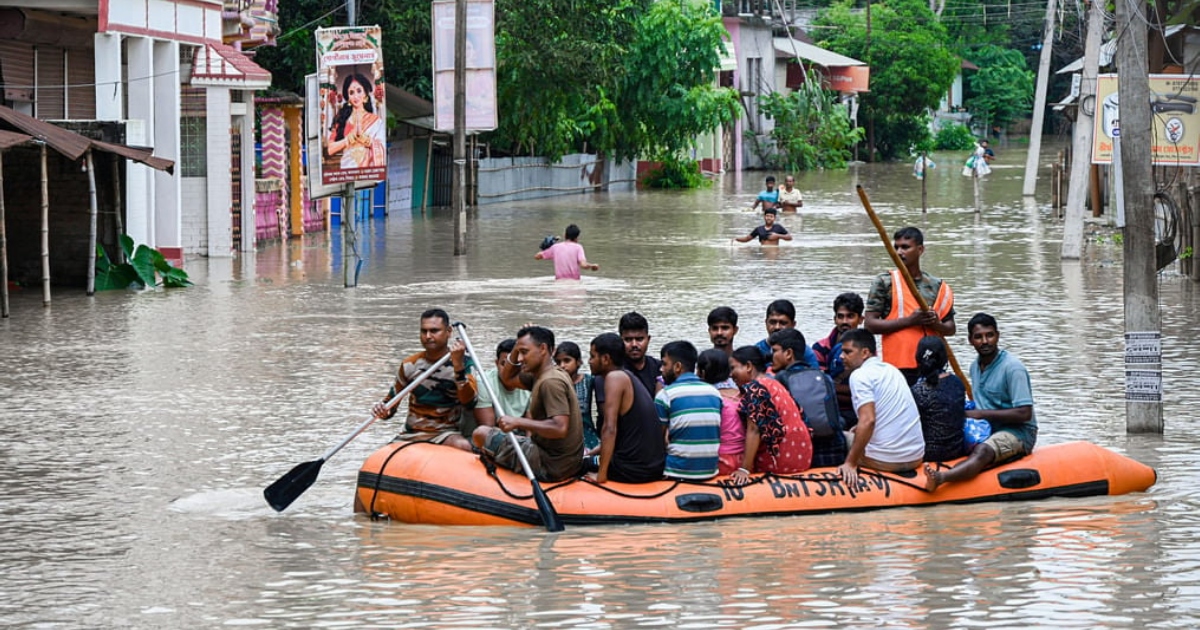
(813, 391)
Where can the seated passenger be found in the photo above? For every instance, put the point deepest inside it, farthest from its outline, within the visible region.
(631, 446)
(722, 328)
(940, 397)
(888, 436)
(1003, 397)
(777, 439)
(847, 315)
(690, 412)
(713, 368)
(553, 444)
(511, 400)
(781, 314)
(567, 357)
(813, 392)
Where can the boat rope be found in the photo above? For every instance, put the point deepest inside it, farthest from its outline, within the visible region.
(379, 479)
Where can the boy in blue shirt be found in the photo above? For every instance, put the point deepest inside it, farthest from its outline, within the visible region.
(768, 198)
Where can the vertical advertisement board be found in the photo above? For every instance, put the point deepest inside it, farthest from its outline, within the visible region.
(480, 66)
(351, 110)
(1174, 119)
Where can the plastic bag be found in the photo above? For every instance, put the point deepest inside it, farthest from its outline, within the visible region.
(975, 430)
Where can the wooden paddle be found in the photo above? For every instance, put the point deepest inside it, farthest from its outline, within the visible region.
(549, 516)
(289, 487)
(912, 285)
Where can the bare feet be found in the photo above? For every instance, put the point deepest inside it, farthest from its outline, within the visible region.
(933, 478)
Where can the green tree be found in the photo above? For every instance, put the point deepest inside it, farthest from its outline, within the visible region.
(668, 94)
(1002, 89)
(911, 67)
(812, 130)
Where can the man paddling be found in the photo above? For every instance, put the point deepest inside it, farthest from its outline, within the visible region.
(1003, 397)
(893, 311)
(436, 406)
(553, 426)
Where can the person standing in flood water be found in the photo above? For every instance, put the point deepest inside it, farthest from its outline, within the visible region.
(769, 233)
(436, 406)
(568, 256)
(892, 311)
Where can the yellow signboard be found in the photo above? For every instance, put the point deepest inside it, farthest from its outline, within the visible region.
(1174, 119)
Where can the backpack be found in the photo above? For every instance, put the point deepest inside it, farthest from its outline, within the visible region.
(813, 391)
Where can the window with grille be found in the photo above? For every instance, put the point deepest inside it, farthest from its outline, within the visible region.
(193, 132)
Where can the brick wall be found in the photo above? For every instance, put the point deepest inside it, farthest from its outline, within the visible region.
(194, 214)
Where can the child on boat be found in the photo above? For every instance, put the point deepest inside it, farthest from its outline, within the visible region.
(568, 357)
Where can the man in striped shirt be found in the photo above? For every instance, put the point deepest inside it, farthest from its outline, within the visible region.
(690, 411)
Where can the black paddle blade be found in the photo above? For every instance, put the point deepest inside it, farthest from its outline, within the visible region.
(289, 487)
(549, 516)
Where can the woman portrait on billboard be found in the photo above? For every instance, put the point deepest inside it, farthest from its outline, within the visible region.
(358, 133)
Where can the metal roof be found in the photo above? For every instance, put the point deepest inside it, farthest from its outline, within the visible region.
(796, 49)
(12, 139)
(1108, 51)
(73, 145)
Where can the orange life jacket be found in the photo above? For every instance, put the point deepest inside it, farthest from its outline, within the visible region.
(900, 348)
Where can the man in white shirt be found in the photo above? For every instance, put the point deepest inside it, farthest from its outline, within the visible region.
(790, 199)
(888, 434)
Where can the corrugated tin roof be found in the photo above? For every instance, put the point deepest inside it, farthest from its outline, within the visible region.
(1108, 51)
(73, 145)
(12, 139)
(796, 49)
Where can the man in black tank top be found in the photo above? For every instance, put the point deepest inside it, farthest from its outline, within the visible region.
(632, 447)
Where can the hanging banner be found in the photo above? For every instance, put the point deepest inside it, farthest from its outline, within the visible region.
(352, 108)
(480, 66)
(1174, 119)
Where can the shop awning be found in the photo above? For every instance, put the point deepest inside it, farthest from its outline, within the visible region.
(796, 49)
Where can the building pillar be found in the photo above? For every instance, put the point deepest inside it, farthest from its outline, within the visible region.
(110, 98)
(168, 224)
(249, 218)
(219, 186)
(139, 130)
(295, 190)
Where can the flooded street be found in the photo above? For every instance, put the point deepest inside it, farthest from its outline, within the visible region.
(139, 430)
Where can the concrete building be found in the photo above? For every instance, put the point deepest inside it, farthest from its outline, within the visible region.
(176, 74)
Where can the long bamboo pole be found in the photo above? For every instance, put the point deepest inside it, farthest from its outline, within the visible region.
(912, 285)
(45, 229)
(94, 211)
(118, 223)
(3, 247)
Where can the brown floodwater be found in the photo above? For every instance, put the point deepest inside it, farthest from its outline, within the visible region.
(139, 430)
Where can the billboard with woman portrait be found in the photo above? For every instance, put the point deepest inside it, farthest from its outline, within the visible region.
(353, 117)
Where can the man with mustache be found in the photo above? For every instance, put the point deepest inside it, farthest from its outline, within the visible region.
(892, 310)
(1003, 397)
(722, 328)
(847, 315)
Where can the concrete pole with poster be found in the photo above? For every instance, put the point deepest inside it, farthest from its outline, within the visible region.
(348, 109)
(458, 180)
(1143, 325)
(464, 80)
(349, 207)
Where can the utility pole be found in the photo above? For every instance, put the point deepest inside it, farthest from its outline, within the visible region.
(1143, 325)
(459, 178)
(1081, 149)
(1039, 103)
(349, 201)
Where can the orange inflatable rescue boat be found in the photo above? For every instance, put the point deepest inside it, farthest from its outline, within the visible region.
(432, 484)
